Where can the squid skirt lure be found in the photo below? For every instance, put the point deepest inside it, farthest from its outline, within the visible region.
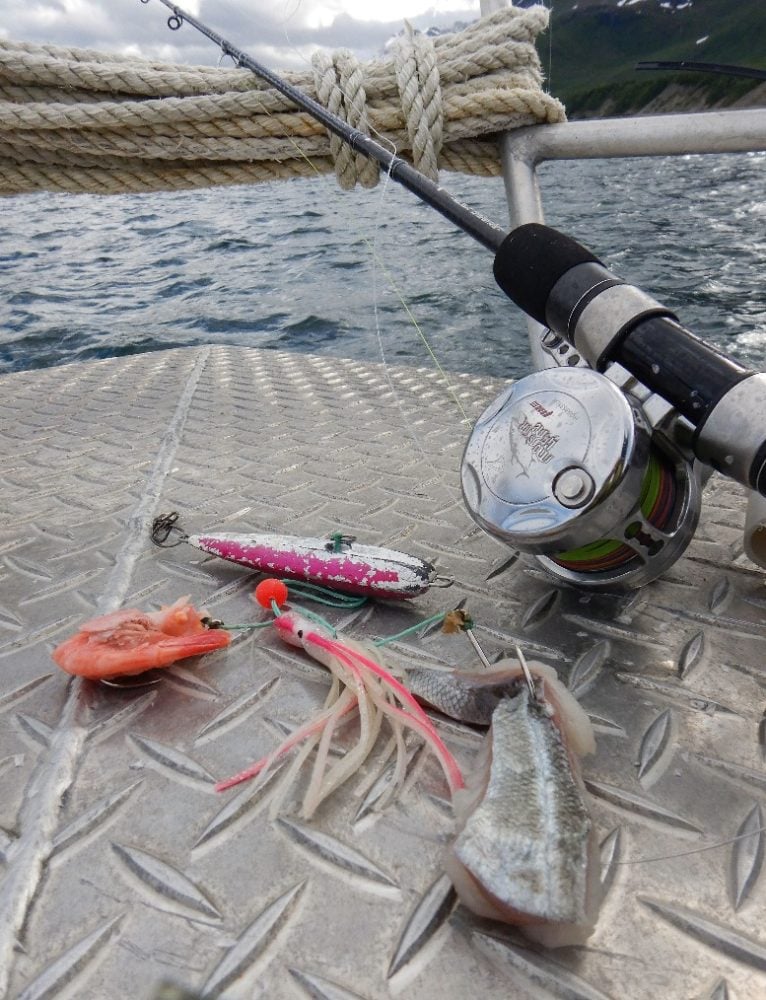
(360, 682)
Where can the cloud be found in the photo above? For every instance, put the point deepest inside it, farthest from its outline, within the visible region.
(280, 34)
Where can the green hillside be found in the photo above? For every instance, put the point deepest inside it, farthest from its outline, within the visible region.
(594, 45)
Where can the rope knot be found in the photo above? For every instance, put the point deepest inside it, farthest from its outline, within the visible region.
(339, 83)
(79, 120)
(417, 79)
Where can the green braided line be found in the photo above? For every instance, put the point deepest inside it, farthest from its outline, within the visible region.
(650, 491)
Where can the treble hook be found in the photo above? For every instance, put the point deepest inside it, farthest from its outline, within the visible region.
(163, 526)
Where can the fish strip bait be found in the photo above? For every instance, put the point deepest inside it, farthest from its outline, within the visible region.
(337, 562)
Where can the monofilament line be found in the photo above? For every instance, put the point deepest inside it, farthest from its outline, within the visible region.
(694, 850)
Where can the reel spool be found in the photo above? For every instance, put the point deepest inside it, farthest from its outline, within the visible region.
(563, 465)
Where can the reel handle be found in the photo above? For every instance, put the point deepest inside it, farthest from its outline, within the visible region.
(562, 285)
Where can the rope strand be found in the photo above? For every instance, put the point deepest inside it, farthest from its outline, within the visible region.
(82, 121)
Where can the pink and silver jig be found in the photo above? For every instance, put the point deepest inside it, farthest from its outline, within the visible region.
(337, 562)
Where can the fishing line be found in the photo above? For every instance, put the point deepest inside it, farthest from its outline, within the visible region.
(325, 595)
(413, 628)
(658, 501)
(484, 231)
(291, 15)
(549, 5)
(378, 263)
(694, 850)
(442, 372)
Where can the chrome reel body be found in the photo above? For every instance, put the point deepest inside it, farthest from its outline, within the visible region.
(587, 471)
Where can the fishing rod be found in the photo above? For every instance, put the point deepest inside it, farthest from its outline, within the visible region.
(486, 233)
(542, 470)
(702, 67)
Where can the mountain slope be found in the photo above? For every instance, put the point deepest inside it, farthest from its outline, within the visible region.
(593, 46)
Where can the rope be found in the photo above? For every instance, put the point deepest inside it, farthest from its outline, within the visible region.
(77, 120)
(417, 77)
(340, 87)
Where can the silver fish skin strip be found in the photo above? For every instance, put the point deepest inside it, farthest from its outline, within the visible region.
(528, 841)
(468, 697)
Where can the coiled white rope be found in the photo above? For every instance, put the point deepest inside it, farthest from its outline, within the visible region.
(417, 77)
(83, 121)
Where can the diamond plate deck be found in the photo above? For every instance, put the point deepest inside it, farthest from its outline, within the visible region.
(120, 864)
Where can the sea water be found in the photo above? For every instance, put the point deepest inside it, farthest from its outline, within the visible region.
(301, 266)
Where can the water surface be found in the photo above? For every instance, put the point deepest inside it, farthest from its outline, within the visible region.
(289, 265)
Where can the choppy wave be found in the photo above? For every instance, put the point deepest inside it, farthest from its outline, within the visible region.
(289, 265)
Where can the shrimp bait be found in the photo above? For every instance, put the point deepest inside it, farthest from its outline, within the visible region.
(526, 850)
(362, 683)
(338, 562)
(132, 641)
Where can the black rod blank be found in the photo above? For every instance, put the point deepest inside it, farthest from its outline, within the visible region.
(702, 67)
(483, 231)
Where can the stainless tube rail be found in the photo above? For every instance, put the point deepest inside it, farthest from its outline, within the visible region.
(609, 138)
(613, 138)
(523, 150)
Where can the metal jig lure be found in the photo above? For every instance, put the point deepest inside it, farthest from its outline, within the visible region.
(337, 562)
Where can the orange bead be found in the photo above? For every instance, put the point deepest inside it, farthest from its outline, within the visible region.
(269, 590)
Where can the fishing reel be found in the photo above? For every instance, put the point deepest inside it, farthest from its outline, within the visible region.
(588, 471)
(594, 470)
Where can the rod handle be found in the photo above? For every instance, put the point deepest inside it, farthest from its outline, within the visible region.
(564, 286)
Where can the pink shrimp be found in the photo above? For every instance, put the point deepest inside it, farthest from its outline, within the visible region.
(132, 641)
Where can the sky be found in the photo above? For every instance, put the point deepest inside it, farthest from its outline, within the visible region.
(282, 33)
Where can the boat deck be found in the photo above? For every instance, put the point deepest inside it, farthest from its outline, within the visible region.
(121, 864)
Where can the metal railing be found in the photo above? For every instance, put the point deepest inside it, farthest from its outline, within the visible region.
(616, 138)
(610, 138)
(523, 150)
